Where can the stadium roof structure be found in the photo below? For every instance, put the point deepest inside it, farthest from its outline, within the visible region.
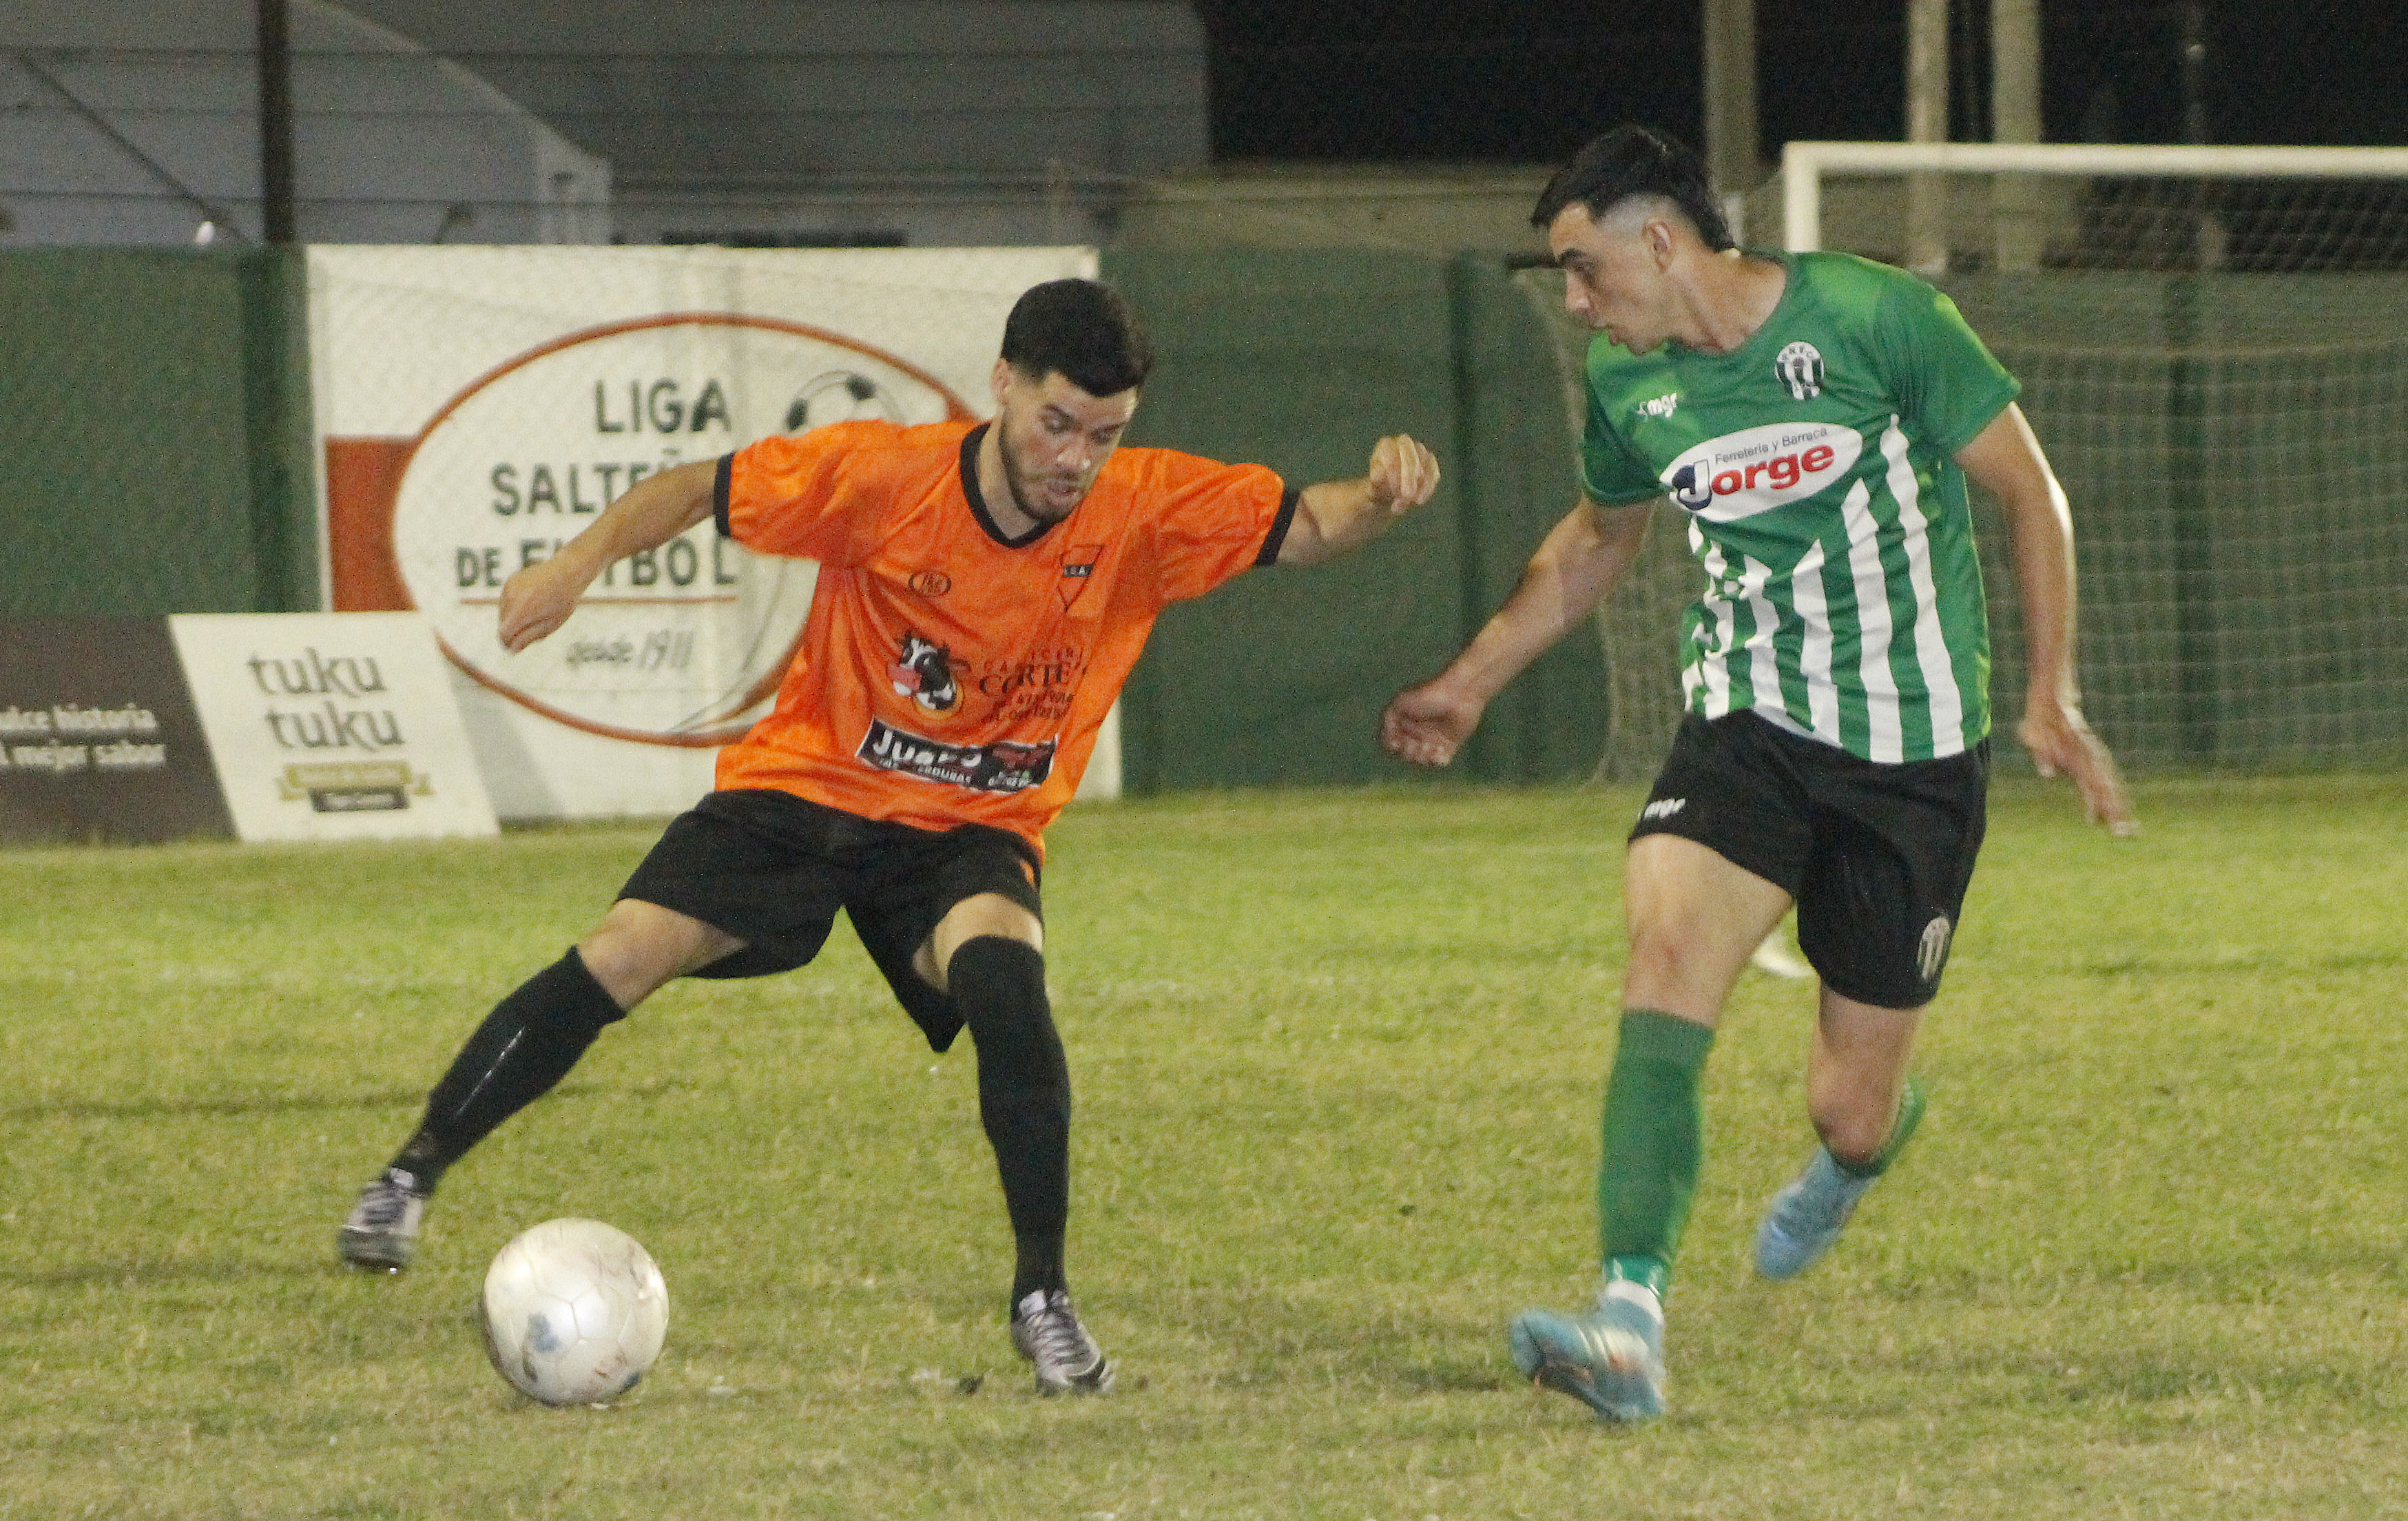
(926, 122)
(137, 122)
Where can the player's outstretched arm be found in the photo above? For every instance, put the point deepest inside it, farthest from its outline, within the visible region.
(1336, 516)
(2006, 460)
(538, 600)
(1581, 559)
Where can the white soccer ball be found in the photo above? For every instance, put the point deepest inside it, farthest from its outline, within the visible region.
(574, 1312)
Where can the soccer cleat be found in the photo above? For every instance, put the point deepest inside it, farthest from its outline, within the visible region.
(381, 1232)
(1047, 1332)
(1806, 1217)
(1611, 1359)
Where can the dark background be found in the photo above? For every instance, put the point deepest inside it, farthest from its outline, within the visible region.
(1526, 81)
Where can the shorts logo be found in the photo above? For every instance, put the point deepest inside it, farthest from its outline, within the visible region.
(1005, 765)
(1663, 808)
(925, 675)
(1078, 569)
(1932, 953)
(931, 584)
(1799, 366)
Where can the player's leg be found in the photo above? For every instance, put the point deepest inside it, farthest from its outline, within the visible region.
(522, 1049)
(1695, 918)
(735, 887)
(1877, 912)
(957, 925)
(987, 953)
(1865, 1108)
(1712, 861)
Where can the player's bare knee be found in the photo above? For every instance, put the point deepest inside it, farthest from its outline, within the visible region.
(1853, 1123)
(639, 946)
(1671, 973)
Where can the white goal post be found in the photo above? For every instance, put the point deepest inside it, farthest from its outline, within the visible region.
(1805, 166)
(2214, 346)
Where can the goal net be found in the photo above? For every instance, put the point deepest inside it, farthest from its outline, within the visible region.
(2213, 349)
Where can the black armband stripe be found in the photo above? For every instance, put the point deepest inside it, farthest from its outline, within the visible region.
(719, 484)
(1277, 537)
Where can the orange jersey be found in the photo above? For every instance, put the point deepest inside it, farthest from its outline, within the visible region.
(948, 675)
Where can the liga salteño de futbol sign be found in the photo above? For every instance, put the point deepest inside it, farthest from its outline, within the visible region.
(479, 406)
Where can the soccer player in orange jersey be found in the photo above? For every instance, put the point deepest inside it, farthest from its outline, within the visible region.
(984, 591)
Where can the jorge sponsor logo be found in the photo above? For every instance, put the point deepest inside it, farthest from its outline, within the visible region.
(1754, 470)
(1004, 766)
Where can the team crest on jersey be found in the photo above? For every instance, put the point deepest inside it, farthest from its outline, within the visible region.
(1799, 366)
(1078, 569)
(924, 674)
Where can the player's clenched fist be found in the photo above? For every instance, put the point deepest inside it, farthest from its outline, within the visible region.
(1403, 474)
(1426, 725)
(538, 600)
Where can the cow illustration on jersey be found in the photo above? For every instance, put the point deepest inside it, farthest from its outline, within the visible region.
(925, 673)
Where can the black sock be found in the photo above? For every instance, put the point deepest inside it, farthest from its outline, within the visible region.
(999, 984)
(525, 1046)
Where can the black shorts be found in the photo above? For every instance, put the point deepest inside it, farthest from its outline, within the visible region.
(772, 869)
(1878, 856)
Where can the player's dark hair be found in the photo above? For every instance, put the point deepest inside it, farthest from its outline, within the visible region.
(1635, 161)
(1087, 333)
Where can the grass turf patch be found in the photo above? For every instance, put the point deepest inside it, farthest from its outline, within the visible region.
(1338, 1056)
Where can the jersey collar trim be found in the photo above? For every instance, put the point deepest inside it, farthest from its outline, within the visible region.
(970, 442)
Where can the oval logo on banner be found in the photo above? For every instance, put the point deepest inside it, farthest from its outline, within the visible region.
(679, 646)
(1758, 470)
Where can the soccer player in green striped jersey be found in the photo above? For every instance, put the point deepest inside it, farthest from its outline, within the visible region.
(1815, 418)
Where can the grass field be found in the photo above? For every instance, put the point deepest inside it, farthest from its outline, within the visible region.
(1338, 1058)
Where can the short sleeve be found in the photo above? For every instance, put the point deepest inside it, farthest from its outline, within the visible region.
(1948, 384)
(1610, 473)
(804, 494)
(1210, 521)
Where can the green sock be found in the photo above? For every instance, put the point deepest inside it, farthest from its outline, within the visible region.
(1654, 1144)
(1902, 1131)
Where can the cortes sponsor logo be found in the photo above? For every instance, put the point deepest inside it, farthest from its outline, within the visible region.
(1758, 470)
(1004, 766)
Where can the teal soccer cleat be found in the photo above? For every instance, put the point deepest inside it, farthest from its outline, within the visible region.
(1611, 1359)
(1806, 1217)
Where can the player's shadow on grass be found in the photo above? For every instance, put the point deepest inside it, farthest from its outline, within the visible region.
(394, 1100)
(156, 1274)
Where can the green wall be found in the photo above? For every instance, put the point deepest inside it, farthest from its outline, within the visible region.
(2235, 447)
(1301, 361)
(154, 412)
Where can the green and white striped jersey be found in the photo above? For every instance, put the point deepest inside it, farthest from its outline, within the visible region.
(1843, 596)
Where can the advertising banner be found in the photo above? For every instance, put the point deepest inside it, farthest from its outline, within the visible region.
(332, 726)
(478, 407)
(99, 742)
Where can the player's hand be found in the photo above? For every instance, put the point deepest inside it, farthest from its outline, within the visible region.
(536, 601)
(2060, 742)
(1428, 724)
(1402, 475)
